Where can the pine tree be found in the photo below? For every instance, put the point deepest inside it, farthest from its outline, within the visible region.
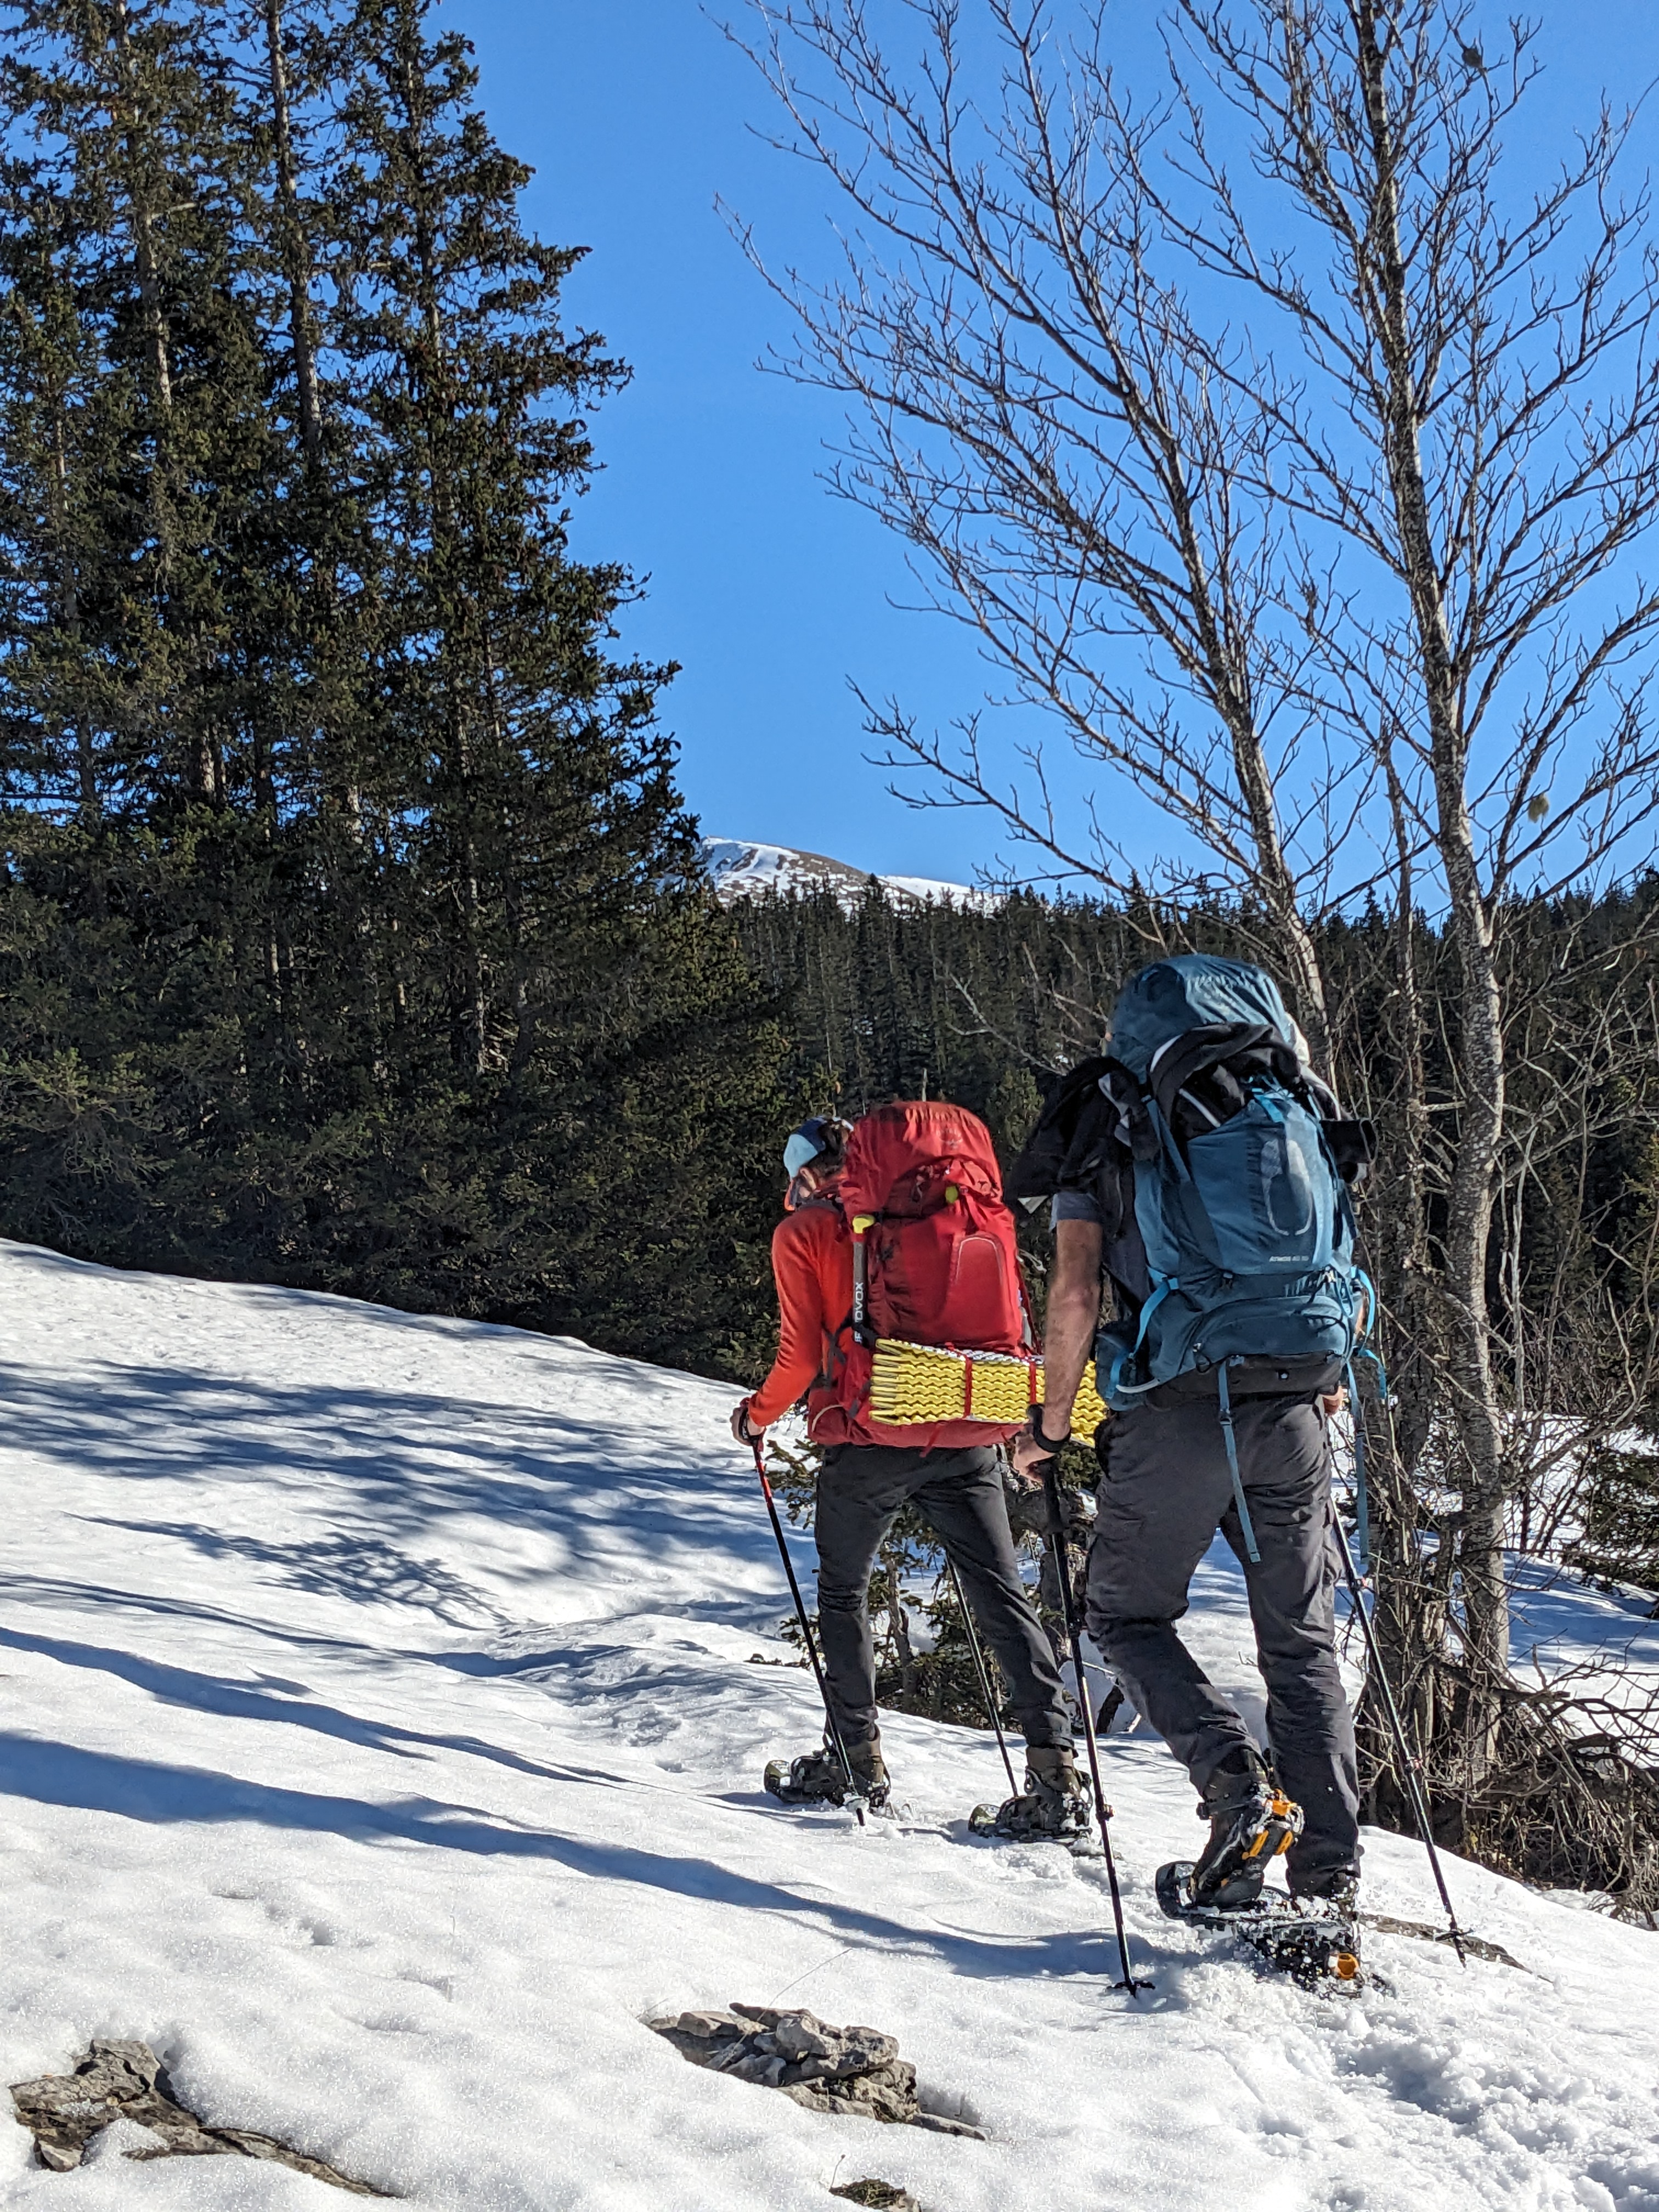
(352, 920)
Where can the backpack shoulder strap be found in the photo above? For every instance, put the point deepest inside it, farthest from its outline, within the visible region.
(1130, 1096)
(1063, 1129)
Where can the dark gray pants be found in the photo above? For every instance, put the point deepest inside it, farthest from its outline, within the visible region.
(1165, 1489)
(959, 1495)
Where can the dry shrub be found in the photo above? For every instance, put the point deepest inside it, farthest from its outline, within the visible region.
(1566, 1795)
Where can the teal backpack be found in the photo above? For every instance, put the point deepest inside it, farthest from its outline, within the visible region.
(1242, 1169)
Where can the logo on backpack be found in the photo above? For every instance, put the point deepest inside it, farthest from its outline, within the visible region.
(1241, 1167)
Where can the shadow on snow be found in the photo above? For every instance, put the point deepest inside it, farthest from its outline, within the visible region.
(147, 1791)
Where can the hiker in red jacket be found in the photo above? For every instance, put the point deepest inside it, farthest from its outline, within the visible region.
(957, 1487)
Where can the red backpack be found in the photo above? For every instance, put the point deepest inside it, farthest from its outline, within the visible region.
(934, 1262)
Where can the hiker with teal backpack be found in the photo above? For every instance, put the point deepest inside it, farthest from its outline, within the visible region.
(1202, 1173)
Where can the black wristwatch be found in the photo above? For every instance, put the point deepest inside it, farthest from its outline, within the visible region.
(1047, 1445)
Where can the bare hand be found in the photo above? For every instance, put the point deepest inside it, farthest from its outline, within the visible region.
(1028, 1456)
(740, 1428)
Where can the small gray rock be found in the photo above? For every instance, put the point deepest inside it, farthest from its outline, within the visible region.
(808, 2094)
(711, 2027)
(853, 2073)
(721, 2057)
(800, 2036)
(886, 2092)
(762, 2066)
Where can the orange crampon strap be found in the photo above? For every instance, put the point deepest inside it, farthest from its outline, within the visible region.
(1283, 1819)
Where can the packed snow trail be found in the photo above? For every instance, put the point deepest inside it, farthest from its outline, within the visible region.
(381, 1743)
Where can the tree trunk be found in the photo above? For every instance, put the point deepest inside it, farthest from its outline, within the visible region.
(898, 1628)
(68, 611)
(1480, 1054)
(460, 648)
(302, 322)
(1229, 686)
(143, 219)
(1409, 1614)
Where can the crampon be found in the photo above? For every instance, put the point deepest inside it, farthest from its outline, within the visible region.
(1315, 1942)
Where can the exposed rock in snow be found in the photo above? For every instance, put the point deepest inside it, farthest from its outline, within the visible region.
(741, 870)
(850, 2073)
(119, 2103)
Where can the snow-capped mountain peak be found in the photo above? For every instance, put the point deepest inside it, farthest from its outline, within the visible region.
(741, 868)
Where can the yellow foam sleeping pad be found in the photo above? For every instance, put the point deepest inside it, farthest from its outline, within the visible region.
(916, 1383)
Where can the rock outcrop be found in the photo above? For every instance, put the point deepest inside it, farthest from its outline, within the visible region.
(124, 2082)
(854, 2072)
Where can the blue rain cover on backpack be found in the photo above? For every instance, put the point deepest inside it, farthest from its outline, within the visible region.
(1164, 1001)
(1247, 1228)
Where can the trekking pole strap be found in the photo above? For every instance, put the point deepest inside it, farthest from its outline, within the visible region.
(1244, 1522)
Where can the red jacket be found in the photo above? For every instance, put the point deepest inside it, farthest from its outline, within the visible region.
(812, 1265)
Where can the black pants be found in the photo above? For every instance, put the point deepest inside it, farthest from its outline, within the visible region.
(1165, 1489)
(959, 1495)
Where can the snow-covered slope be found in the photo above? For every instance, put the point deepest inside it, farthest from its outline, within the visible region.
(739, 869)
(380, 1742)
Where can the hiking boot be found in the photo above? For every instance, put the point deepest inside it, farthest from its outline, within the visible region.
(1251, 1821)
(1338, 1891)
(815, 1777)
(1057, 1801)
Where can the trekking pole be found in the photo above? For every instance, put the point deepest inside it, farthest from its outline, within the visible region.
(984, 1676)
(1408, 1758)
(840, 1748)
(1102, 1810)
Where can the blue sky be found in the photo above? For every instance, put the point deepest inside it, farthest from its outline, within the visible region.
(771, 593)
(767, 591)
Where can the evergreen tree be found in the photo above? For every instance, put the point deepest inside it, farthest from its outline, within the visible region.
(351, 920)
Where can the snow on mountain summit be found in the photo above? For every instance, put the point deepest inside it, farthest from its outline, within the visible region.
(382, 1743)
(742, 869)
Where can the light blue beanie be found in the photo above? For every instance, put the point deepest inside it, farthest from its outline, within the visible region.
(816, 1134)
(804, 1146)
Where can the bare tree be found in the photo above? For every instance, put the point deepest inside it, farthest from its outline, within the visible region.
(1490, 363)
(1299, 463)
(1041, 419)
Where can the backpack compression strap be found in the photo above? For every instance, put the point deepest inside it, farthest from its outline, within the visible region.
(1175, 1065)
(1246, 1527)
